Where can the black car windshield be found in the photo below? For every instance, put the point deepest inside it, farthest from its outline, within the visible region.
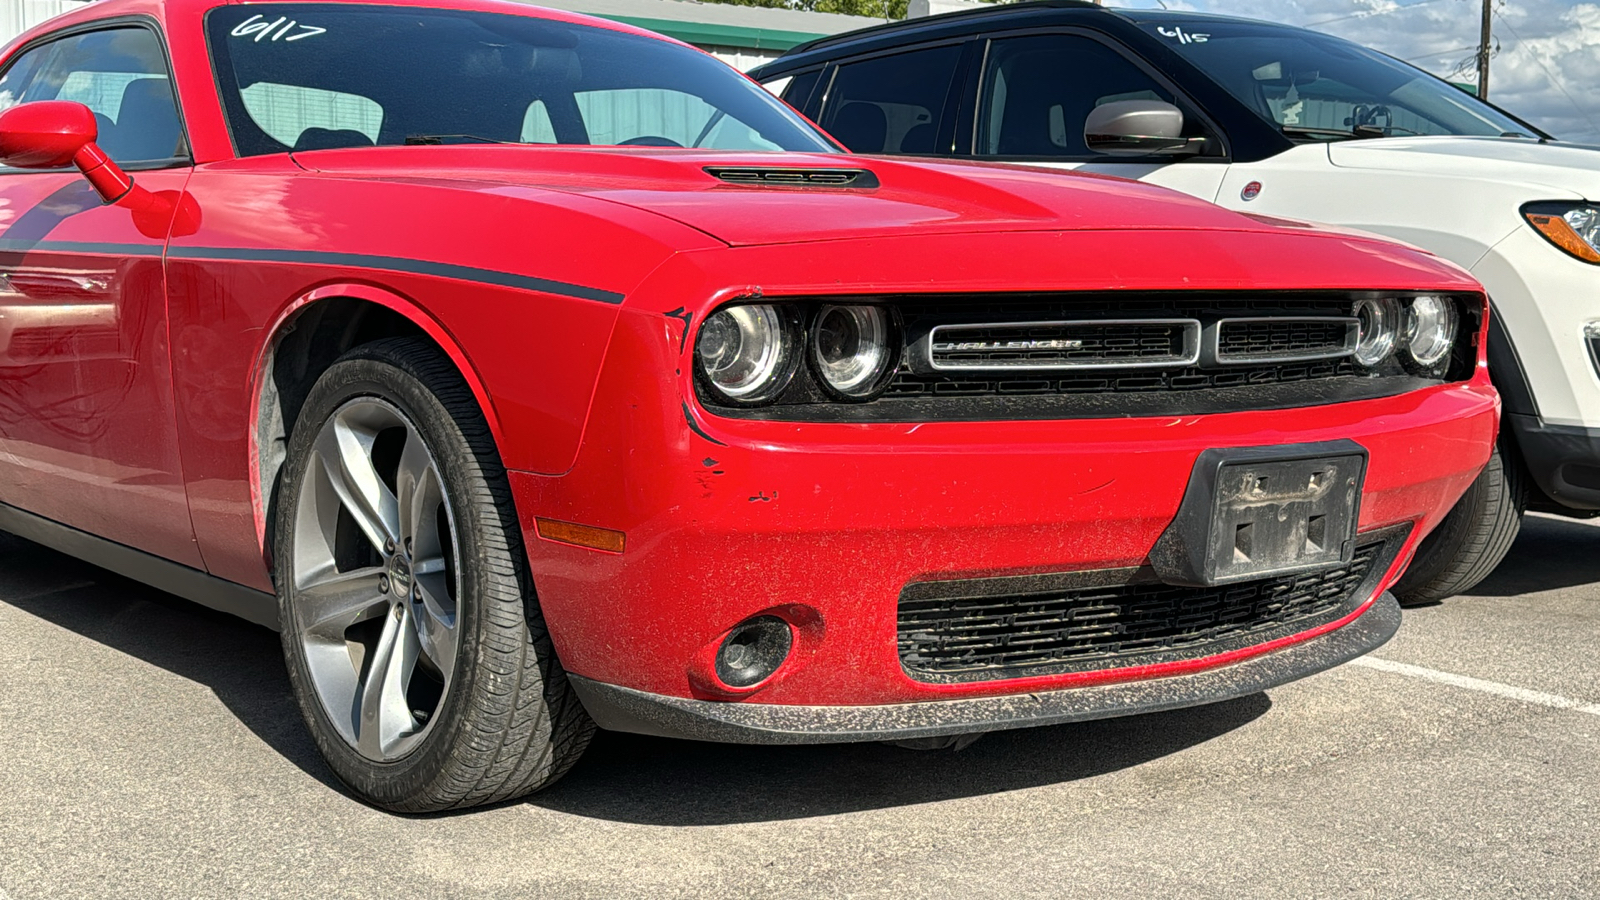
(1317, 87)
(323, 76)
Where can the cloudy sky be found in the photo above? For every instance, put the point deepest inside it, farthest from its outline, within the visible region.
(1547, 69)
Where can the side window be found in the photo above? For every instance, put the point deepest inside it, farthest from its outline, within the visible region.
(798, 91)
(311, 118)
(121, 75)
(891, 104)
(1037, 91)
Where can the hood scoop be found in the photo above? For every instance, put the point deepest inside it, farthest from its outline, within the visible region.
(794, 176)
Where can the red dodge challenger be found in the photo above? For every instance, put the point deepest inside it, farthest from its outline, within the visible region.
(530, 372)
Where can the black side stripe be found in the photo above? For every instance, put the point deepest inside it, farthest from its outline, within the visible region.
(400, 264)
(325, 258)
(25, 246)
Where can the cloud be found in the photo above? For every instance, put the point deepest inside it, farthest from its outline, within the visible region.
(1549, 52)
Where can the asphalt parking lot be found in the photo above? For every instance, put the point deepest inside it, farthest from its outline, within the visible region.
(150, 749)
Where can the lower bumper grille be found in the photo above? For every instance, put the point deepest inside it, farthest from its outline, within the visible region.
(950, 634)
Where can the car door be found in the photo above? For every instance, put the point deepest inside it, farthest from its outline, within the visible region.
(1035, 91)
(88, 436)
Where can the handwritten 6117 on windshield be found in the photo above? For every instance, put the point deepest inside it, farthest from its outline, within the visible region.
(261, 30)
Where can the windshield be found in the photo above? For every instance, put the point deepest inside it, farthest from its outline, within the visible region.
(321, 76)
(1318, 87)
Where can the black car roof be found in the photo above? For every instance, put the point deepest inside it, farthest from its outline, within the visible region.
(985, 15)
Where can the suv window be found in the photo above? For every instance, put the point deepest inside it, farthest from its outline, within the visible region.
(1038, 90)
(891, 104)
(121, 75)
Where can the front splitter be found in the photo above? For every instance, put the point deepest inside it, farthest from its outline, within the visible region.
(624, 709)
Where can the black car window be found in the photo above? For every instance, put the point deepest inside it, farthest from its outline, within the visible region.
(323, 76)
(121, 75)
(1317, 87)
(1038, 90)
(891, 104)
(799, 88)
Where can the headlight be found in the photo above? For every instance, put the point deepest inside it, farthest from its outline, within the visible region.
(1430, 329)
(1378, 327)
(853, 349)
(1574, 228)
(746, 353)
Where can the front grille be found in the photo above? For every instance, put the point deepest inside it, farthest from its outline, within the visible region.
(1064, 345)
(975, 635)
(907, 384)
(1246, 340)
(1051, 356)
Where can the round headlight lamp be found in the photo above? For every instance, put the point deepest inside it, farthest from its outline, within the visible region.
(746, 353)
(854, 350)
(1430, 329)
(1377, 330)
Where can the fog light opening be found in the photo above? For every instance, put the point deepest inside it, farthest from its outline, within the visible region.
(753, 650)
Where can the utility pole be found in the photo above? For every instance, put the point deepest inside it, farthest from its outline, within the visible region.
(1484, 44)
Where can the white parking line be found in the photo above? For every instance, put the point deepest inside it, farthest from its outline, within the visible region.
(1510, 692)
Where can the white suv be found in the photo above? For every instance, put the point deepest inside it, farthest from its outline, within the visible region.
(1284, 122)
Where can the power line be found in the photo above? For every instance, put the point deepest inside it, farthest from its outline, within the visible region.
(1441, 53)
(1367, 14)
(1550, 75)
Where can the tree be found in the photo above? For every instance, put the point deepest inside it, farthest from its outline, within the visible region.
(877, 9)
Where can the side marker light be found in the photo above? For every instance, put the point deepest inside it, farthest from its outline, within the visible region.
(586, 536)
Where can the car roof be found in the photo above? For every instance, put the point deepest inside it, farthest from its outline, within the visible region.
(975, 19)
(169, 9)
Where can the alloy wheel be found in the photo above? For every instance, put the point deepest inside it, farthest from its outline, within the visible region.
(375, 579)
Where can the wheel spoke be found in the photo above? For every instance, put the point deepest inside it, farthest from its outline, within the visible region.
(346, 454)
(382, 715)
(436, 628)
(417, 487)
(330, 604)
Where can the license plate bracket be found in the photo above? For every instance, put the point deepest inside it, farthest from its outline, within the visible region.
(1259, 512)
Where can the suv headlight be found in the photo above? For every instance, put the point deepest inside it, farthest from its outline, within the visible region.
(1574, 227)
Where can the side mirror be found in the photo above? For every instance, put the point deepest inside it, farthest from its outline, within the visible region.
(52, 134)
(1138, 128)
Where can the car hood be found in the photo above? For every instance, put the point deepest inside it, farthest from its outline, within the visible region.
(1567, 168)
(910, 197)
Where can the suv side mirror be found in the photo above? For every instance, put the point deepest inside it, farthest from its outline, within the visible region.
(1138, 128)
(52, 134)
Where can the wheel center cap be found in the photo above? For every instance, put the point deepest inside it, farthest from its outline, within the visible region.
(400, 576)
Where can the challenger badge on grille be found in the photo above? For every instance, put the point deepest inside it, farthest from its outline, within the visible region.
(1082, 344)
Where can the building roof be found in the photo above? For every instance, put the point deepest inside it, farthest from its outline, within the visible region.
(719, 24)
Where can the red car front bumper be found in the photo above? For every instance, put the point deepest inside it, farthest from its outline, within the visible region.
(826, 524)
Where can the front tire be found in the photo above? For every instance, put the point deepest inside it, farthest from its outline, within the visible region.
(1474, 536)
(413, 638)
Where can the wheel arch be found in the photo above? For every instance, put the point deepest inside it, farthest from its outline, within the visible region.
(306, 338)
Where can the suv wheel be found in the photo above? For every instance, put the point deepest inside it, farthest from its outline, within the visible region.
(1474, 537)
